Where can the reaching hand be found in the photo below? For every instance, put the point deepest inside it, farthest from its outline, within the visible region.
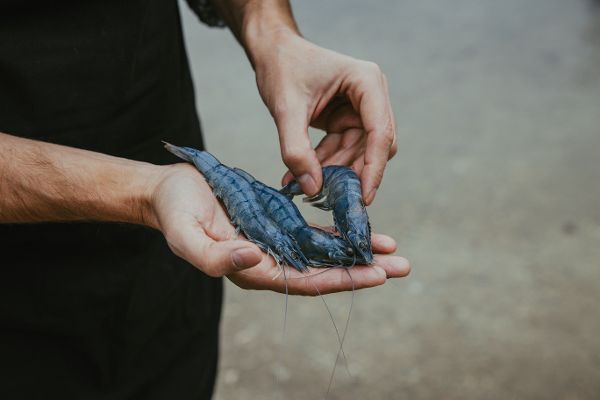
(303, 84)
(197, 229)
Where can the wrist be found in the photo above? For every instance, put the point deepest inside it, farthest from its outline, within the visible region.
(157, 188)
(138, 194)
(264, 28)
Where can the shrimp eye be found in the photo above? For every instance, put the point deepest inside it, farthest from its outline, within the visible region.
(294, 256)
(350, 251)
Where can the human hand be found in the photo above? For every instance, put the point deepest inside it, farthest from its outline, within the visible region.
(303, 84)
(195, 224)
(267, 275)
(197, 229)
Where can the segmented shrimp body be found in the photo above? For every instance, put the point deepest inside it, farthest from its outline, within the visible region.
(323, 249)
(342, 194)
(244, 207)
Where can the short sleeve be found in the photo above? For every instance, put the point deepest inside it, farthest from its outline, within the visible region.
(206, 12)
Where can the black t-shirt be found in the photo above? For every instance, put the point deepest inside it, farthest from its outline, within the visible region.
(99, 310)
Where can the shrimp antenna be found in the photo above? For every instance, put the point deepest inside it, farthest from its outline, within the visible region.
(281, 354)
(341, 349)
(286, 304)
(340, 340)
(279, 267)
(325, 270)
(315, 274)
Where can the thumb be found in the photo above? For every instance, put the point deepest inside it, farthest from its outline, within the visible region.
(218, 258)
(296, 150)
(224, 258)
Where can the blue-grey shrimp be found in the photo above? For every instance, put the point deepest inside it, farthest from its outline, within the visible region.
(244, 207)
(322, 248)
(342, 194)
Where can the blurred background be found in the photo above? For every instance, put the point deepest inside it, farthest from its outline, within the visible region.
(494, 197)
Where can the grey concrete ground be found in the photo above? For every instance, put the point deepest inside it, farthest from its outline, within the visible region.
(494, 196)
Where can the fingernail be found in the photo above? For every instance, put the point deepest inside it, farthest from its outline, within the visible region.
(308, 184)
(287, 177)
(244, 258)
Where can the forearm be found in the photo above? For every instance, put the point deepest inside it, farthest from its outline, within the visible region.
(257, 24)
(47, 182)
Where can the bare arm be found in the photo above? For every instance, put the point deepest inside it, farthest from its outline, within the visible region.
(250, 19)
(44, 182)
(306, 85)
(47, 182)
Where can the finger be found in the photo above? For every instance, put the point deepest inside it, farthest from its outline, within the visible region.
(379, 142)
(328, 145)
(358, 166)
(319, 119)
(383, 244)
(222, 258)
(351, 146)
(337, 149)
(291, 118)
(323, 281)
(394, 266)
(368, 94)
(287, 178)
(394, 146)
(215, 258)
(343, 118)
(342, 126)
(340, 145)
(320, 281)
(338, 280)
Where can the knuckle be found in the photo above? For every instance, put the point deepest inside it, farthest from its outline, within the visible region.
(393, 149)
(378, 177)
(293, 156)
(375, 74)
(367, 73)
(384, 79)
(280, 109)
(388, 132)
(372, 68)
(387, 138)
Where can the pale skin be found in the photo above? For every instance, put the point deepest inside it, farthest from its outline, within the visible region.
(42, 182)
